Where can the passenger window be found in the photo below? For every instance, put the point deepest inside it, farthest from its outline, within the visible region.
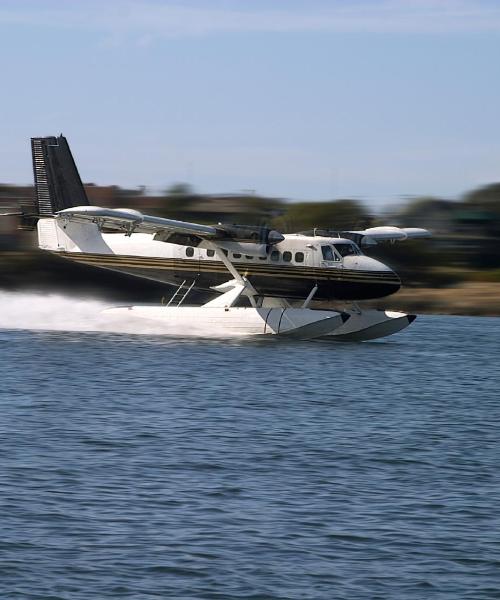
(327, 253)
(299, 257)
(236, 255)
(210, 252)
(248, 257)
(287, 256)
(275, 255)
(262, 257)
(189, 251)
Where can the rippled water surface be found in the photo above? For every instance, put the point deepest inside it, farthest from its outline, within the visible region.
(154, 467)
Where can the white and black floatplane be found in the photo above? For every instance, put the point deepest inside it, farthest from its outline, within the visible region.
(263, 282)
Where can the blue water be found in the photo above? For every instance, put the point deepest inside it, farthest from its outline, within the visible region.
(153, 467)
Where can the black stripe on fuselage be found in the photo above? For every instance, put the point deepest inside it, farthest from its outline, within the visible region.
(269, 280)
(111, 260)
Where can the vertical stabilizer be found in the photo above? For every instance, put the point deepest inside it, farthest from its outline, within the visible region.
(57, 181)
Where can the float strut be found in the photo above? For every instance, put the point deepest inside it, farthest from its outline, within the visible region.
(310, 297)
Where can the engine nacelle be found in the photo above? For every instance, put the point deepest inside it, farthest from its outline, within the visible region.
(249, 233)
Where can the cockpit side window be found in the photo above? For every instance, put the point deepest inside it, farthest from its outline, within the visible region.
(327, 253)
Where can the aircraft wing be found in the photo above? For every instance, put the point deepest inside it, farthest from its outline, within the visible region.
(178, 232)
(128, 220)
(372, 235)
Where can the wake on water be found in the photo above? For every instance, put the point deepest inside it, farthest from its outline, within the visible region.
(51, 312)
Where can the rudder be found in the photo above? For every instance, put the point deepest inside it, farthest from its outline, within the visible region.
(57, 181)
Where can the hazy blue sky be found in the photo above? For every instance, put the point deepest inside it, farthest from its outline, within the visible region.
(307, 100)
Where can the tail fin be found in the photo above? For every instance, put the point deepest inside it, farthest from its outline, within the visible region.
(57, 182)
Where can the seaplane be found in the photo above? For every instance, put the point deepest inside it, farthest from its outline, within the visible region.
(260, 281)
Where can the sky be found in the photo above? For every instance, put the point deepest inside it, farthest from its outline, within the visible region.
(306, 100)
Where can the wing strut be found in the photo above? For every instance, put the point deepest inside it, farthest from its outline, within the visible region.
(239, 281)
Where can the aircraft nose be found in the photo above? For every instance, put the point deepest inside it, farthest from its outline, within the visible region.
(384, 271)
(380, 267)
(379, 280)
(388, 280)
(366, 264)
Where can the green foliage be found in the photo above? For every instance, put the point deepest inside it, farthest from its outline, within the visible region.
(486, 198)
(339, 214)
(180, 189)
(481, 208)
(489, 276)
(421, 205)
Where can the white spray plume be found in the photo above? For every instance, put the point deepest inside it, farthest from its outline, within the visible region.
(51, 312)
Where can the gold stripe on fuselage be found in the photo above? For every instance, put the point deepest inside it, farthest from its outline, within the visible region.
(248, 269)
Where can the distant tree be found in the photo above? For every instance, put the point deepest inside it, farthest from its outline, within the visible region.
(338, 214)
(417, 207)
(431, 213)
(180, 189)
(487, 196)
(177, 199)
(482, 208)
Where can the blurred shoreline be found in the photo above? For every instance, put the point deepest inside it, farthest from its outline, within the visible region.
(467, 299)
(457, 271)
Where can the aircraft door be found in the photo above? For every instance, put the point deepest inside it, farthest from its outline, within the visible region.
(188, 269)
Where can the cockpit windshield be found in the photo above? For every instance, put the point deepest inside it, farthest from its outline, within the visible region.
(346, 249)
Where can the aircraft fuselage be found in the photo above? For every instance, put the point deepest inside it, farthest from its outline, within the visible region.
(289, 269)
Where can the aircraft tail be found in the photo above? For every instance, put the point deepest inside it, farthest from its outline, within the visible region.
(57, 181)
